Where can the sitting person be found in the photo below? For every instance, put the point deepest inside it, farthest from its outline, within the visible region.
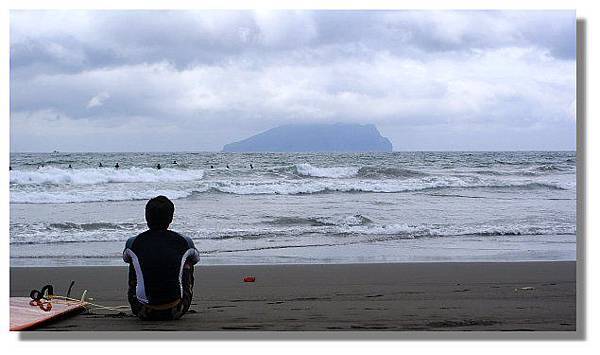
(161, 266)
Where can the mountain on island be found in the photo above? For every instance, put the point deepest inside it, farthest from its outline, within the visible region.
(338, 137)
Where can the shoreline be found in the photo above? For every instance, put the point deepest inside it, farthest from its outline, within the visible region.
(457, 296)
(308, 264)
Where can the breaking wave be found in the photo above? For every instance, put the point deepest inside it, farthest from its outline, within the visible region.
(69, 226)
(318, 221)
(353, 186)
(299, 187)
(46, 197)
(283, 230)
(335, 172)
(368, 172)
(96, 176)
(368, 231)
(388, 172)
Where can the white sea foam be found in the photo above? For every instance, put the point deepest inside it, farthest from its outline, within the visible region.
(363, 230)
(82, 193)
(95, 176)
(348, 228)
(335, 172)
(409, 231)
(380, 186)
(45, 197)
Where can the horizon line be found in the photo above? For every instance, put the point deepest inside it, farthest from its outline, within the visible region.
(299, 152)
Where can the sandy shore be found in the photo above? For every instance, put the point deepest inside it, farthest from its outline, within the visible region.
(411, 296)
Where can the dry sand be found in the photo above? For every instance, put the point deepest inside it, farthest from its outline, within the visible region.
(407, 296)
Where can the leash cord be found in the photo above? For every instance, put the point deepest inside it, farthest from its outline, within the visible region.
(47, 293)
(87, 303)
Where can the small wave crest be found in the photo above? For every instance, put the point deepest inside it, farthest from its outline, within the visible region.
(68, 226)
(299, 187)
(334, 172)
(368, 172)
(49, 197)
(290, 221)
(96, 176)
(295, 230)
(391, 186)
(553, 168)
(365, 229)
(387, 172)
(318, 221)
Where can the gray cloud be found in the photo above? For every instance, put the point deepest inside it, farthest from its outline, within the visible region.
(201, 79)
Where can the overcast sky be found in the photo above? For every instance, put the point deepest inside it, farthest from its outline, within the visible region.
(194, 81)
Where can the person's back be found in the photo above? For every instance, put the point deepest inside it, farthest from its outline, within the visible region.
(161, 266)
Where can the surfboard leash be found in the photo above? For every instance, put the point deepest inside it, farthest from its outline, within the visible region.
(47, 294)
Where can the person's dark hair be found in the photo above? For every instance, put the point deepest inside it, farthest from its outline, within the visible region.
(159, 212)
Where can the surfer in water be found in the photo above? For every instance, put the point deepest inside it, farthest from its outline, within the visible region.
(158, 166)
(100, 165)
(175, 162)
(116, 165)
(161, 266)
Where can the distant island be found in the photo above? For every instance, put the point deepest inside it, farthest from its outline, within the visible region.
(338, 137)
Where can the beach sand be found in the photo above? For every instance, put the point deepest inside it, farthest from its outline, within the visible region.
(406, 296)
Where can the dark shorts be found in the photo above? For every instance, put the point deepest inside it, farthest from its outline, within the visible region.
(148, 313)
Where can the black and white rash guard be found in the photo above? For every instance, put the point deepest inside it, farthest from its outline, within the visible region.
(158, 257)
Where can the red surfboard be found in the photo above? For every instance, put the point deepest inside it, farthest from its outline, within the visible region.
(26, 313)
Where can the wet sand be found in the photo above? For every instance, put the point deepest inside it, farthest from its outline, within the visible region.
(407, 296)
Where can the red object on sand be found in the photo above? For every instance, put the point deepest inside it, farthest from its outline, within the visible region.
(249, 279)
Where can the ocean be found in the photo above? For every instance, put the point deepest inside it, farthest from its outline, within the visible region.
(298, 207)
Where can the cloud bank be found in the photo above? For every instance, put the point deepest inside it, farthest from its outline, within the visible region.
(195, 80)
